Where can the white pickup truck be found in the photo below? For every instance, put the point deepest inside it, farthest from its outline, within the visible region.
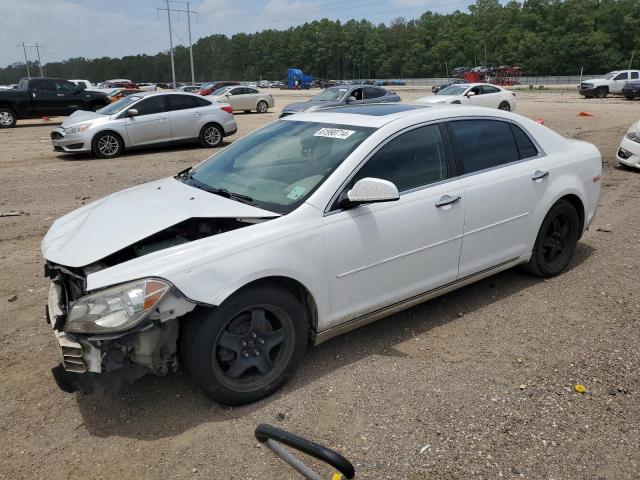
(612, 82)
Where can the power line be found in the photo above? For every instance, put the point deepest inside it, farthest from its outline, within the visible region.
(188, 11)
(26, 60)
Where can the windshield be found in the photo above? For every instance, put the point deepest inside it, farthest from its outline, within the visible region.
(610, 75)
(279, 165)
(453, 90)
(330, 94)
(220, 91)
(208, 85)
(117, 107)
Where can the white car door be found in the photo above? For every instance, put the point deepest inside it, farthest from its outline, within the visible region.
(475, 99)
(491, 96)
(234, 97)
(504, 177)
(185, 115)
(151, 124)
(250, 98)
(618, 82)
(382, 253)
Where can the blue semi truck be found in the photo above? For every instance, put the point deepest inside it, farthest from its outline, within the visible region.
(297, 80)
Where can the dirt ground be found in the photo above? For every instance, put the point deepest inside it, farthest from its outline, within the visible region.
(476, 384)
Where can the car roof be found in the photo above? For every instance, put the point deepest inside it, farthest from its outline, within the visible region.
(377, 115)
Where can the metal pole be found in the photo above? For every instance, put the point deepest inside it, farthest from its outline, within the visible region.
(39, 61)
(631, 61)
(26, 61)
(193, 76)
(485, 53)
(446, 66)
(173, 66)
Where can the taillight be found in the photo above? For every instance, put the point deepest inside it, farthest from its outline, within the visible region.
(227, 109)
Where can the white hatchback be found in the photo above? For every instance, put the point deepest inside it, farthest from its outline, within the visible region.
(477, 94)
(304, 229)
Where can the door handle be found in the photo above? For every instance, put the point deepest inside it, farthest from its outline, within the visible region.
(61, 94)
(447, 200)
(161, 118)
(539, 175)
(195, 114)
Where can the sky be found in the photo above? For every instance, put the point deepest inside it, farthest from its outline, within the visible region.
(115, 28)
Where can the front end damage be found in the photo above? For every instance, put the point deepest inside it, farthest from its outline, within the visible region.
(100, 361)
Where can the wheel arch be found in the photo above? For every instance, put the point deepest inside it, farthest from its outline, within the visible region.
(297, 288)
(577, 203)
(115, 132)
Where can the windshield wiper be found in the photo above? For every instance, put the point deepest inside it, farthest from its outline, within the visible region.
(223, 192)
(184, 173)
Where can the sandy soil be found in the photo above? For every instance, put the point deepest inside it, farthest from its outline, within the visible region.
(431, 393)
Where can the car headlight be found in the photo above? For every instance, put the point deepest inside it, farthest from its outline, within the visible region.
(77, 128)
(634, 133)
(116, 309)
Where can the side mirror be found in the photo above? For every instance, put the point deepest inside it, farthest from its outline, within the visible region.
(352, 99)
(132, 112)
(370, 190)
(470, 94)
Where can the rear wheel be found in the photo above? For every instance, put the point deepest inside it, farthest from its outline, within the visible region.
(107, 145)
(262, 107)
(602, 92)
(246, 348)
(7, 118)
(629, 98)
(556, 241)
(504, 106)
(211, 135)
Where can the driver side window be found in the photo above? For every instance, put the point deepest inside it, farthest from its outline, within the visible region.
(622, 76)
(152, 105)
(356, 93)
(411, 160)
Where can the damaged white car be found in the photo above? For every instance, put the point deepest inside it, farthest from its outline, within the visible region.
(308, 227)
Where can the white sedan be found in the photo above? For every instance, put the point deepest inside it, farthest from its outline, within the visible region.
(309, 227)
(477, 94)
(243, 98)
(629, 151)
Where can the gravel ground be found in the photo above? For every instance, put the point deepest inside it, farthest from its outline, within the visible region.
(476, 384)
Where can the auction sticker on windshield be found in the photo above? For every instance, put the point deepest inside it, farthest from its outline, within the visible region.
(334, 133)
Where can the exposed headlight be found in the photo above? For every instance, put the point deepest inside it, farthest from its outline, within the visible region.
(634, 133)
(116, 309)
(78, 128)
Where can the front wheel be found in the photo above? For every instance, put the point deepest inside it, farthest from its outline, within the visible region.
(629, 98)
(246, 348)
(556, 241)
(602, 92)
(107, 145)
(7, 118)
(211, 136)
(262, 107)
(504, 106)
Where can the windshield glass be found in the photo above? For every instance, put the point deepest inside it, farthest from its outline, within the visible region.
(610, 75)
(220, 91)
(330, 94)
(279, 165)
(453, 90)
(207, 85)
(117, 107)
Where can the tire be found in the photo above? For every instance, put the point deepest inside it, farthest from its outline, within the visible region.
(107, 145)
(7, 118)
(211, 135)
(248, 347)
(247, 111)
(602, 92)
(262, 107)
(556, 241)
(504, 106)
(629, 98)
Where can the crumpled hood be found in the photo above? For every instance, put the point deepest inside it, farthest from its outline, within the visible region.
(309, 106)
(83, 116)
(112, 223)
(440, 99)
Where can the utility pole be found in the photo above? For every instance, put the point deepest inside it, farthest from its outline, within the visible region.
(188, 11)
(26, 60)
(193, 75)
(633, 54)
(485, 53)
(39, 61)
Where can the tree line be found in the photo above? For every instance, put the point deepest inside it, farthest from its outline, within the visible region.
(543, 37)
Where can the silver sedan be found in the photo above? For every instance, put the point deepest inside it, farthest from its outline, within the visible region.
(145, 119)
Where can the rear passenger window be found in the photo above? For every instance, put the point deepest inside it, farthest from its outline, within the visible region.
(412, 160)
(634, 75)
(526, 148)
(483, 144)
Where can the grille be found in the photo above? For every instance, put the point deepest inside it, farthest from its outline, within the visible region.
(55, 135)
(622, 153)
(71, 354)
